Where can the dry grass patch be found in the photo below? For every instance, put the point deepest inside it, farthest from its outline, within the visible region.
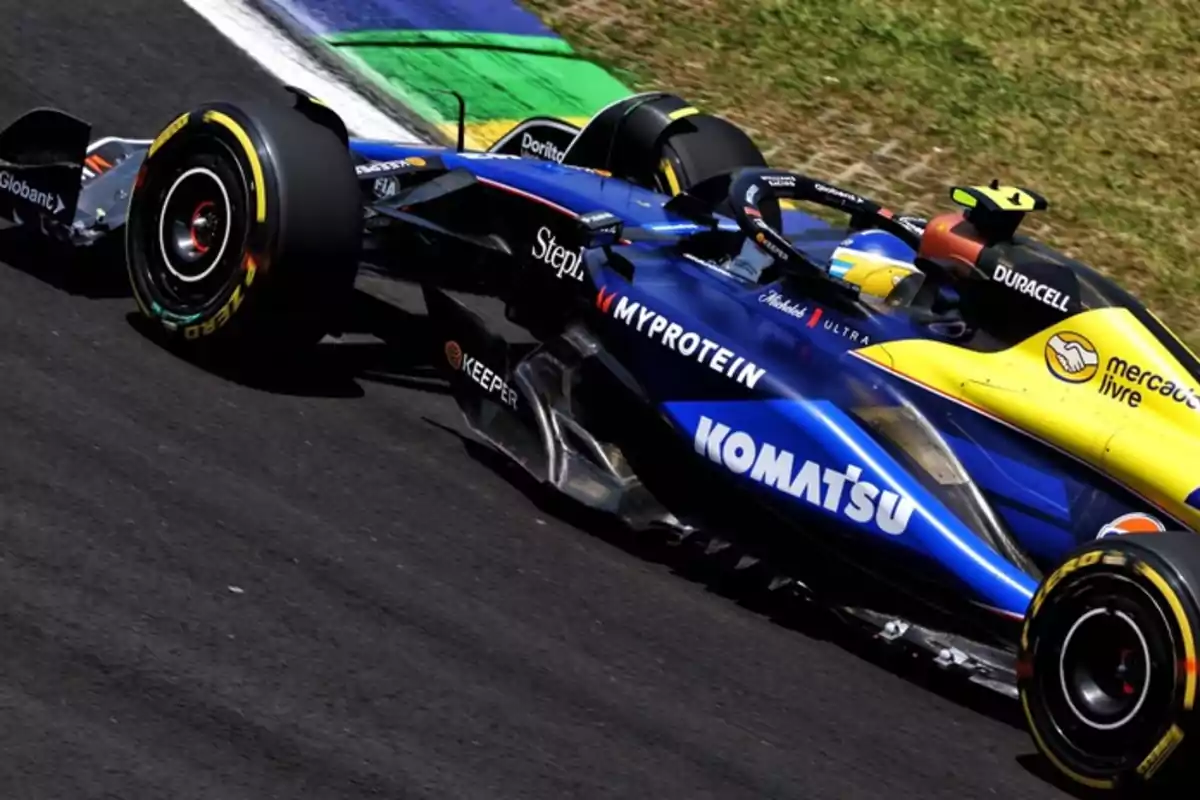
(1095, 103)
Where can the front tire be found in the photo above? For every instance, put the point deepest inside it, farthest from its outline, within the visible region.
(704, 147)
(245, 228)
(1108, 661)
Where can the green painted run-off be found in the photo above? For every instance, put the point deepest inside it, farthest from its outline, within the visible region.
(503, 77)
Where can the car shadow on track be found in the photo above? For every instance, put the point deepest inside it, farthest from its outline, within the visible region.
(720, 576)
(95, 272)
(383, 342)
(385, 345)
(747, 588)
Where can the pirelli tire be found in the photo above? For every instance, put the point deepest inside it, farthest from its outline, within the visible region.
(701, 147)
(1107, 663)
(245, 227)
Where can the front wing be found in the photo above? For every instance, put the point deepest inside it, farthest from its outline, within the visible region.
(55, 180)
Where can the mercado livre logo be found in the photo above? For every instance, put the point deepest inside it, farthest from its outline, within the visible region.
(1072, 357)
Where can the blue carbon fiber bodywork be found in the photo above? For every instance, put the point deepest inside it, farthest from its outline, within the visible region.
(763, 383)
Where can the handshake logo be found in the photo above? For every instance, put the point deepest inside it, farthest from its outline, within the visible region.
(1071, 357)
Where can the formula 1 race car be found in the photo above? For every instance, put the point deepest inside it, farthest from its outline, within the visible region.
(987, 459)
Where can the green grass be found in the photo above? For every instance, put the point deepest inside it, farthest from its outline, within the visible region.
(1095, 104)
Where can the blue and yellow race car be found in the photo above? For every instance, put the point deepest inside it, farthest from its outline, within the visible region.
(975, 446)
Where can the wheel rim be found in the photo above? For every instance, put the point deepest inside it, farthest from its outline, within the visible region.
(194, 225)
(1104, 667)
(188, 230)
(1105, 671)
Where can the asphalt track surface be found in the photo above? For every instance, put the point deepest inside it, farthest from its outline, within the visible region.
(307, 585)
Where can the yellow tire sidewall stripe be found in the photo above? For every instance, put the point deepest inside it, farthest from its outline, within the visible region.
(256, 169)
(1185, 627)
(175, 127)
(668, 172)
(257, 175)
(1189, 695)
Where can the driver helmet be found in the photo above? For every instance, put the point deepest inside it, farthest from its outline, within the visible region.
(874, 260)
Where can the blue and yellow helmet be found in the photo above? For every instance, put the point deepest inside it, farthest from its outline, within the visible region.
(874, 260)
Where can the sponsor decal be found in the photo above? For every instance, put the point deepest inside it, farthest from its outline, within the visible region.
(217, 321)
(1113, 558)
(752, 195)
(454, 355)
(912, 224)
(31, 194)
(841, 194)
(677, 339)
(1158, 756)
(601, 222)
(480, 373)
(1024, 284)
(385, 187)
(782, 304)
(387, 166)
(846, 332)
(838, 491)
(1071, 357)
(1122, 375)
(547, 250)
(544, 150)
(1131, 523)
(838, 328)
(598, 218)
(780, 181)
(766, 244)
(175, 127)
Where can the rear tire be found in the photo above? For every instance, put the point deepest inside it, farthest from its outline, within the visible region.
(1108, 661)
(245, 228)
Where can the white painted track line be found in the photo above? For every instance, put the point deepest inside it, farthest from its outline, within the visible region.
(288, 62)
